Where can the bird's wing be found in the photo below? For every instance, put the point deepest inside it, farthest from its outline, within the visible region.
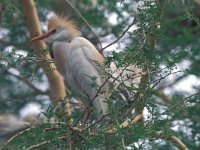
(92, 54)
(81, 61)
(95, 60)
(82, 67)
(86, 83)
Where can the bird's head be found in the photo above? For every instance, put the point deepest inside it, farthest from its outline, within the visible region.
(59, 29)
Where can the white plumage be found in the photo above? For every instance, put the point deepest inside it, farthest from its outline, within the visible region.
(75, 58)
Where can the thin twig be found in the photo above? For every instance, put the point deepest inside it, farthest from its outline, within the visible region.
(44, 142)
(99, 89)
(28, 58)
(86, 22)
(139, 106)
(197, 93)
(69, 139)
(125, 31)
(96, 95)
(16, 135)
(29, 83)
(163, 77)
(174, 106)
(50, 129)
(125, 124)
(174, 82)
(99, 120)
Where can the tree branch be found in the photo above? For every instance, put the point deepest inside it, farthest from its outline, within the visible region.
(174, 82)
(125, 31)
(125, 124)
(16, 135)
(36, 59)
(177, 141)
(29, 83)
(44, 143)
(174, 106)
(56, 82)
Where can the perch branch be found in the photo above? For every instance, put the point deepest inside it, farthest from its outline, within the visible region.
(178, 142)
(125, 124)
(16, 135)
(57, 87)
(125, 31)
(44, 143)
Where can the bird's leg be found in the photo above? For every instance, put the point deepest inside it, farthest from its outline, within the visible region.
(86, 114)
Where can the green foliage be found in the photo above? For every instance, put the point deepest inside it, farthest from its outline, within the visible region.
(167, 34)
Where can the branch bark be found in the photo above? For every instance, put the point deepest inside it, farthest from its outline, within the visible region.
(44, 143)
(178, 142)
(29, 83)
(135, 119)
(57, 88)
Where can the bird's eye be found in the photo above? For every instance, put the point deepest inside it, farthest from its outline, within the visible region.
(54, 31)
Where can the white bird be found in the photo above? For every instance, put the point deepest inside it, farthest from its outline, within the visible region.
(75, 58)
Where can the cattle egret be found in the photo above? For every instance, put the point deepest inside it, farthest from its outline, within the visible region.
(76, 59)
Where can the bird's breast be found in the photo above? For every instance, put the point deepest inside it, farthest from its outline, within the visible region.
(61, 57)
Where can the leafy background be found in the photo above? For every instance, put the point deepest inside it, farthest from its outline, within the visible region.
(174, 60)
